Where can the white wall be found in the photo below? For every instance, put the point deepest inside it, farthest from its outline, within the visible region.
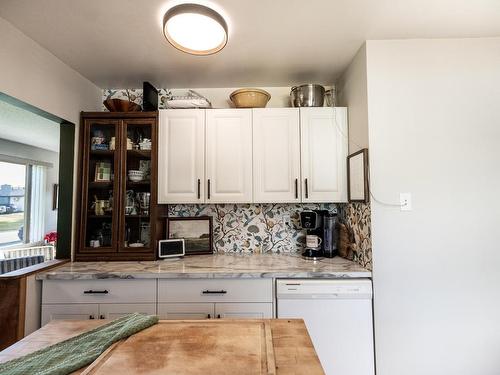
(434, 131)
(352, 93)
(35, 76)
(34, 153)
(32, 74)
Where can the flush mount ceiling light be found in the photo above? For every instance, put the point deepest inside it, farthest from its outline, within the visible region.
(195, 29)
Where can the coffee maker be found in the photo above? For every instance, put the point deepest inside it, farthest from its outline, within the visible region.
(323, 224)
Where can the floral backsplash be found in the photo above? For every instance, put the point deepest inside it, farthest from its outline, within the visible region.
(357, 216)
(253, 228)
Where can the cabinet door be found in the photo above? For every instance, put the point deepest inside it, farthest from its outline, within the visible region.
(79, 311)
(324, 138)
(116, 310)
(185, 310)
(138, 186)
(229, 156)
(99, 189)
(181, 161)
(276, 155)
(244, 310)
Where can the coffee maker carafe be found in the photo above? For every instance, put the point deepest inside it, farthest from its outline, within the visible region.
(330, 235)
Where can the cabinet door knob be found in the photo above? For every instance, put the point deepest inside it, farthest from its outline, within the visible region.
(218, 316)
(91, 317)
(208, 316)
(208, 189)
(102, 317)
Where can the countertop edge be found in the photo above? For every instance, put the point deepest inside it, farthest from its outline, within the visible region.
(34, 269)
(208, 275)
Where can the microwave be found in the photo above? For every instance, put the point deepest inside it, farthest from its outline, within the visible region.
(171, 248)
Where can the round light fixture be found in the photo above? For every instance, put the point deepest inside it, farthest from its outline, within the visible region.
(195, 29)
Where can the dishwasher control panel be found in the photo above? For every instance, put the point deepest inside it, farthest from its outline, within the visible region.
(316, 289)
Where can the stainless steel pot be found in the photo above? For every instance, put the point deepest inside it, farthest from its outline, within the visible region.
(307, 95)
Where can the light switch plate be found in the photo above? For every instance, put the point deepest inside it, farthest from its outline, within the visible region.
(405, 201)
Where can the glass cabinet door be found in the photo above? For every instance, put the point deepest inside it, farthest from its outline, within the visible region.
(100, 185)
(138, 190)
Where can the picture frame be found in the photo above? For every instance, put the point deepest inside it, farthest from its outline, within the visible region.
(196, 231)
(103, 171)
(358, 189)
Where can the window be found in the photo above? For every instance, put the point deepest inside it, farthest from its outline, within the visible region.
(22, 186)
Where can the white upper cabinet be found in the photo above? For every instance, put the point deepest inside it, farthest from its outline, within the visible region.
(229, 156)
(276, 155)
(261, 155)
(324, 142)
(181, 156)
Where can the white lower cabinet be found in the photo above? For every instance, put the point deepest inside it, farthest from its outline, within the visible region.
(99, 291)
(117, 310)
(184, 311)
(215, 290)
(215, 298)
(79, 311)
(244, 310)
(82, 311)
(168, 298)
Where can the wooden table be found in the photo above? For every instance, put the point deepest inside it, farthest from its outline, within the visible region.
(265, 346)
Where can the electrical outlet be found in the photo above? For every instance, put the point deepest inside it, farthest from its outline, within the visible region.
(286, 219)
(405, 201)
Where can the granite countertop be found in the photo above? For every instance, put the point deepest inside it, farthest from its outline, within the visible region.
(211, 266)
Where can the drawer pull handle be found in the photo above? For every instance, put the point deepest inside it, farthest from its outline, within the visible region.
(95, 291)
(214, 292)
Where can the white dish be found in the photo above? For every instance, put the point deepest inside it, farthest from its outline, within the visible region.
(137, 244)
(135, 172)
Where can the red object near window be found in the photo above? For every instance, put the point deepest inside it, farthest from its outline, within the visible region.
(51, 237)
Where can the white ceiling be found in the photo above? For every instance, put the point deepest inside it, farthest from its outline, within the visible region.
(21, 126)
(119, 43)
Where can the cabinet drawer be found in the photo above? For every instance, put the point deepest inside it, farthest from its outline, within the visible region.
(244, 310)
(69, 312)
(117, 310)
(215, 290)
(99, 291)
(185, 311)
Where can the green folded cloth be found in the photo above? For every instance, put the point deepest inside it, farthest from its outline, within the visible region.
(79, 351)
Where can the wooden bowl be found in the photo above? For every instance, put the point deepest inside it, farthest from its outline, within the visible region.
(250, 98)
(120, 105)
